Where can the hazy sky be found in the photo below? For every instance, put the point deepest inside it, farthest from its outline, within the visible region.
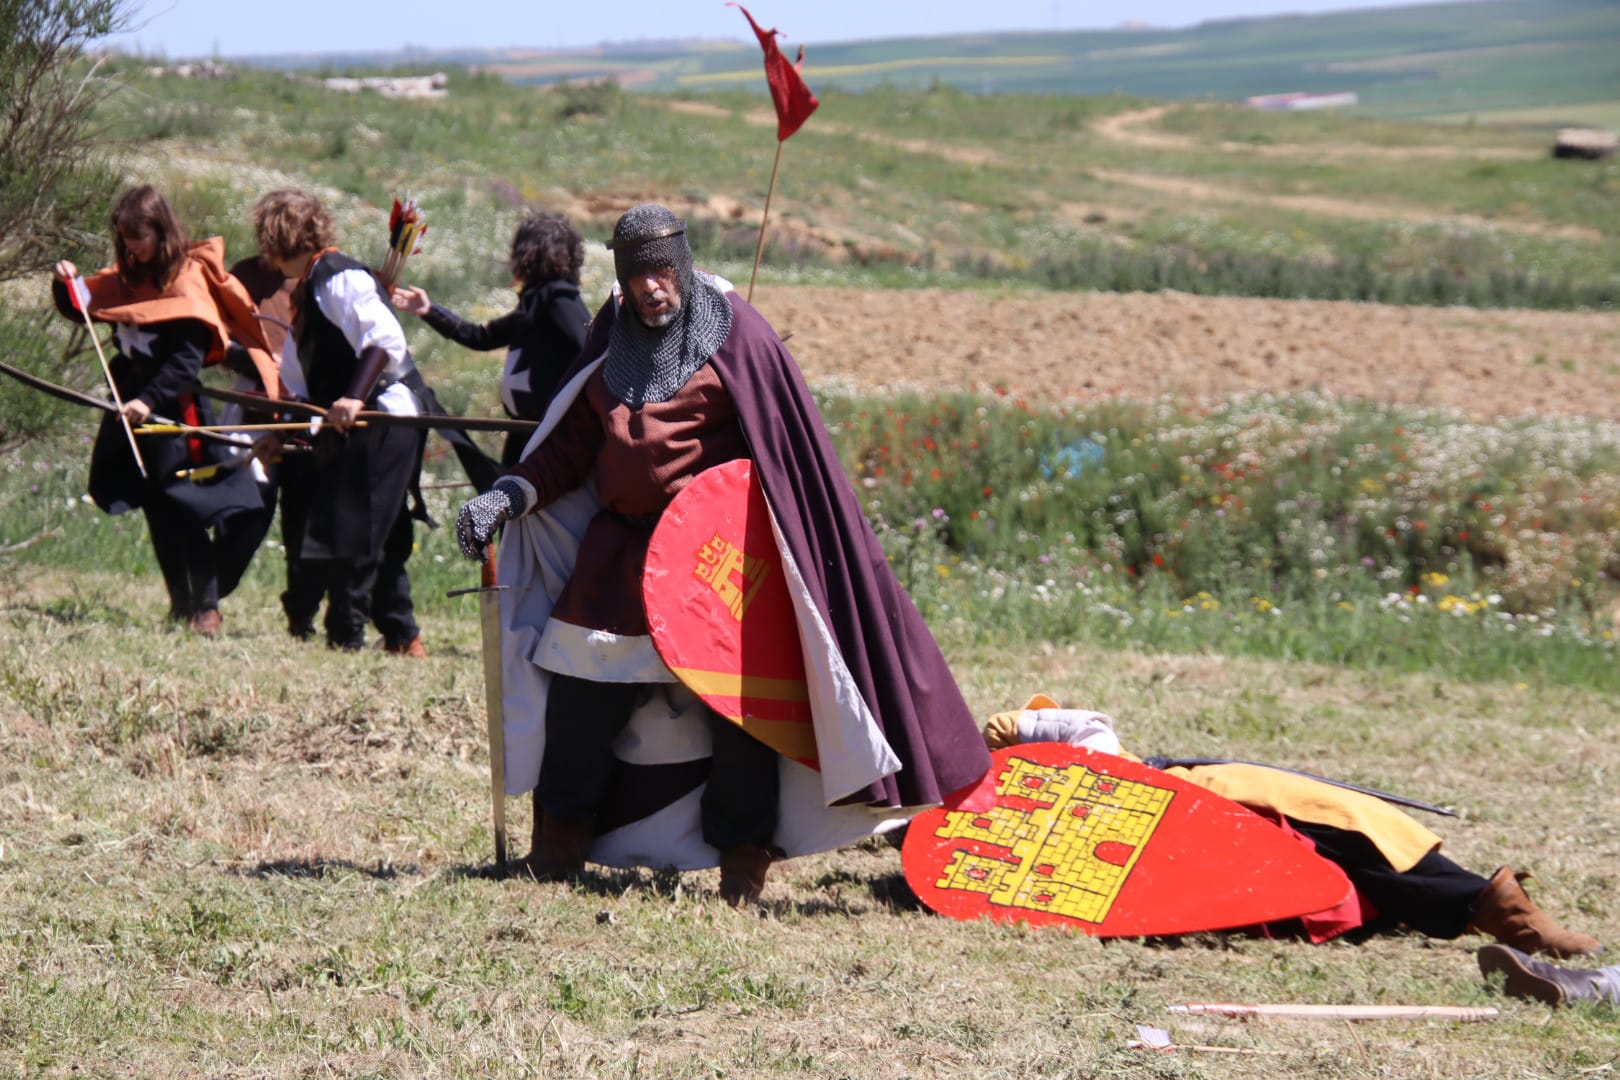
(195, 28)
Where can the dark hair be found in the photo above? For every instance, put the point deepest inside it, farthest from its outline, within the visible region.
(546, 248)
(144, 210)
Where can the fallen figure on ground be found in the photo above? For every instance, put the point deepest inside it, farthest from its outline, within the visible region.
(1394, 863)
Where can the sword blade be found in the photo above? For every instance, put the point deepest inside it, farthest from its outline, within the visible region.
(489, 611)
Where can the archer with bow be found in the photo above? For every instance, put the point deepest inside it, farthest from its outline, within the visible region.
(353, 357)
(174, 309)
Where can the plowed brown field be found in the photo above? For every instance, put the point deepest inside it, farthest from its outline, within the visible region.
(1086, 346)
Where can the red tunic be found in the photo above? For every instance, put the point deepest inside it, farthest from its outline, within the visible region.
(642, 458)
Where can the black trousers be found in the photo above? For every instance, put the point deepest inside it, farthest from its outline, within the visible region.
(238, 537)
(301, 600)
(583, 718)
(392, 608)
(372, 589)
(185, 554)
(1436, 897)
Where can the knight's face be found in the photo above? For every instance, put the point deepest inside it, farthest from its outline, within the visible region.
(655, 294)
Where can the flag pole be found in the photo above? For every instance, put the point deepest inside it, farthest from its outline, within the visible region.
(760, 247)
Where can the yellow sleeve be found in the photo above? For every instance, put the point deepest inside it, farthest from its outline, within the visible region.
(1398, 837)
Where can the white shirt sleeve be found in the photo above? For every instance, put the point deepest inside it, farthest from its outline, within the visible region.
(350, 301)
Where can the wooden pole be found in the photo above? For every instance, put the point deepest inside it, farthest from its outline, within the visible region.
(112, 388)
(760, 247)
(193, 429)
(1339, 1012)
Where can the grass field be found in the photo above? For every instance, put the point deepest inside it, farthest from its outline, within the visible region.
(251, 857)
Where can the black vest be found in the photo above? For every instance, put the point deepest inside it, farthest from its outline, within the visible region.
(323, 352)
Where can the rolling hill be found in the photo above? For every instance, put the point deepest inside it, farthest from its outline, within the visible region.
(1476, 58)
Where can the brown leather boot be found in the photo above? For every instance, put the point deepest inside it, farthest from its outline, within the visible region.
(1505, 912)
(559, 848)
(742, 873)
(1551, 985)
(206, 623)
(412, 648)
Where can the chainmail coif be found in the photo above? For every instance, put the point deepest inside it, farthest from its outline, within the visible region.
(650, 364)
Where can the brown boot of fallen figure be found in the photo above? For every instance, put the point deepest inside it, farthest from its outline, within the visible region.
(1528, 977)
(742, 873)
(1505, 912)
(560, 848)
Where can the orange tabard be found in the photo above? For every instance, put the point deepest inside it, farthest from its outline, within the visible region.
(719, 611)
(1112, 848)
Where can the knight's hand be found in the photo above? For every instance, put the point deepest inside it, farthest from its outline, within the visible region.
(480, 517)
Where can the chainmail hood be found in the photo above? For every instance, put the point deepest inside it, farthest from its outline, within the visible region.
(650, 237)
(647, 364)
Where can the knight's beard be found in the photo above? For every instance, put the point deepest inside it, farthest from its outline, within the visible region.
(665, 317)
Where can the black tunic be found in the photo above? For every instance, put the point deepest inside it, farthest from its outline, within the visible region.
(542, 336)
(155, 364)
(546, 330)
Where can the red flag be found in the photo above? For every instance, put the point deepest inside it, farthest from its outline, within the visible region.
(793, 99)
(79, 293)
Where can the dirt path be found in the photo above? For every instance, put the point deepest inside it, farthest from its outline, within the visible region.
(1129, 128)
(1086, 346)
(1182, 188)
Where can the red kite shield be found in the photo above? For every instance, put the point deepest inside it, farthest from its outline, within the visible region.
(719, 611)
(1112, 848)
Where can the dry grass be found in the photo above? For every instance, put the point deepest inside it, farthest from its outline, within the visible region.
(250, 857)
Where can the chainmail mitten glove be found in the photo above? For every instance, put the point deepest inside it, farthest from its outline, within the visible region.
(480, 517)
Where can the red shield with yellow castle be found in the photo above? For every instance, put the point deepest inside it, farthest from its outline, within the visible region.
(1113, 848)
(719, 610)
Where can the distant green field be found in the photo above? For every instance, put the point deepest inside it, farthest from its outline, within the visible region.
(1479, 57)
(1597, 114)
(1411, 61)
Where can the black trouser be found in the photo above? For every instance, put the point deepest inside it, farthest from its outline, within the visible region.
(391, 606)
(185, 554)
(347, 584)
(583, 718)
(238, 537)
(374, 588)
(1436, 897)
(301, 600)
